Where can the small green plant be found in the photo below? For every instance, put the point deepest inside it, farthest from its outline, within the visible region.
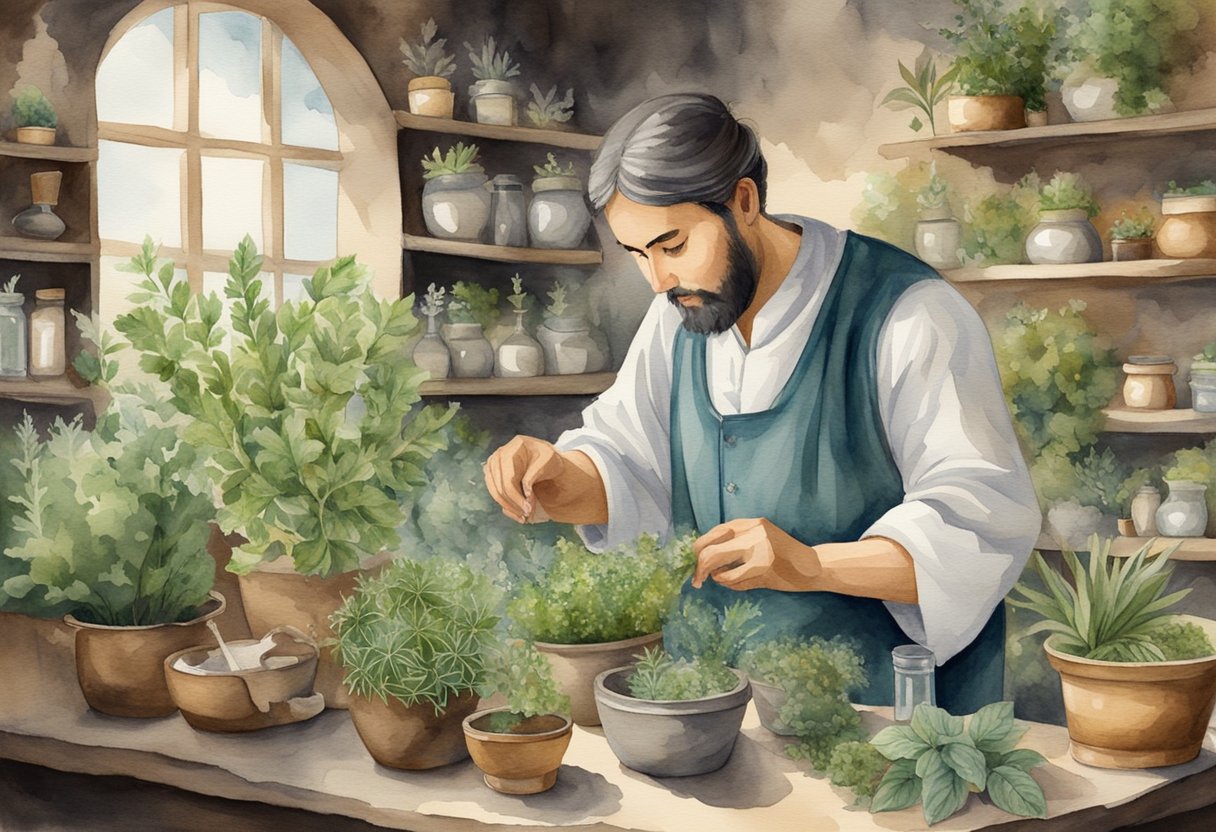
(518, 296)
(427, 56)
(418, 632)
(517, 671)
(460, 158)
(1067, 191)
(434, 302)
(933, 195)
(1205, 188)
(32, 109)
(557, 301)
(857, 765)
(1182, 641)
(924, 90)
(1195, 465)
(553, 168)
(1138, 226)
(546, 109)
(1208, 355)
(659, 677)
(473, 303)
(489, 64)
(938, 761)
(10, 285)
(698, 631)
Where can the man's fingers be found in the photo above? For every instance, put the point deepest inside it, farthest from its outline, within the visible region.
(718, 556)
(537, 469)
(505, 486)
(744, 576)
(717, 534)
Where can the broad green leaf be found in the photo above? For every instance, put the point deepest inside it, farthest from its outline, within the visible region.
(18, 586)
(943, 792)
(966, 761)
(899, 788)
(1015, 791)
(993, 728)
(899, 742)
(1023, 758)
(935, 725)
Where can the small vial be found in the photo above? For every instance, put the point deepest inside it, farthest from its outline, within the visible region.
(914, 679)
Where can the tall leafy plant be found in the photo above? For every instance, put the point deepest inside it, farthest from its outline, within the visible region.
(924, 89)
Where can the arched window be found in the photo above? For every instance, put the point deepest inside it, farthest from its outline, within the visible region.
(213, 122)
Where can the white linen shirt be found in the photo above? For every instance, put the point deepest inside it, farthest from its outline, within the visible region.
(969, 517)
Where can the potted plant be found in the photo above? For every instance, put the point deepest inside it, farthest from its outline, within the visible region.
(455, 202)
(1194, 465)
(309, 423)
(1131, 237)
(412, 640)
(1203, 380)
(1064, 233)
(472, 309)
(587, 613)
(558, 216)
(430, 93)
(1139, 683)
(549, 112)
(492, 94)
(671, 716)
(1189, 229)
(111, 528)
(566, 338)
(34, 117)
(938, 234)
(519, 747)
(431, 352)
(924, 91)
(520, 355)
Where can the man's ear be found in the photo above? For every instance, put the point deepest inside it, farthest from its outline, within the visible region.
(746, 200)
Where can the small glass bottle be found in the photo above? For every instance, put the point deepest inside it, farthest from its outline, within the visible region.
(48, 346)
(509, 211)
(14, 335)
(914, 679)
(431, 353)
(520, 355)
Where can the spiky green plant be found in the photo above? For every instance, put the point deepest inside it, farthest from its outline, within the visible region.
(427, 56)
(924, 91)
(557, 301)
(32, 109)
(546, 109)
(489, 64)
(10, 285)
(554, 168)
(659, 677)
(460, 158)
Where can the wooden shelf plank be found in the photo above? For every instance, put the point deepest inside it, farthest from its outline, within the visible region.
(46, 251)
(1189, 548)
(1147, 270)
(50, 153)
(507, 254)
(1191, 121)
(1178, 420)
(588, 384)
(556, 138)
(52, 391)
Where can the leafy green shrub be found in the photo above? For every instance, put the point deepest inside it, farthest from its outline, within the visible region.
(427, 56)
(659, 677)
(517, 671)
(858, 766)
(1001, 53)
(888, 208)
(489, 64)
(1205, 188)
(586, 598)
(1067, 191)
(1181, 641)
(417, 632)
(933, 195)
(995, 225)
(1101, 480)
(459, 159)
(1195, 465)
(32, 109)
(938, 761)
(1136, 226)
(473, 303)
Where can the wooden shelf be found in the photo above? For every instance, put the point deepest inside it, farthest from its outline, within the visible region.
(506, 254)
(1189, 548)
(589, 384)
(52, 391)
(555, 138)
(1142, 270)
(1179, 420)
(1191, 121)
(46, 251)
(50, 153)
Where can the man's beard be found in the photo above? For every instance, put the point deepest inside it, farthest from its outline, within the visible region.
(719, 310)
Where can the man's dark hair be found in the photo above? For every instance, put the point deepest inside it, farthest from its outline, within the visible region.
(685, 147)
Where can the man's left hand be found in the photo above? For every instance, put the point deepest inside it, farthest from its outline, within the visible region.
(754, 554)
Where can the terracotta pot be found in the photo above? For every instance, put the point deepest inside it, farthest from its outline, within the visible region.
(431, 95)
(44, 187)
(121, 669)
(412, 737)
(1140, 248)
(36, 135)
(1137, 714)
(1036, 118)
(575, 667)
(1126, 527)
(1189, 228)
(524, 761)
(985, 112)
(1149, 382)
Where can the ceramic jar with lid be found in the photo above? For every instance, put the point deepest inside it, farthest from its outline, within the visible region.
(1185, 511)
(508, 211)
(1144, 511)
(48, 345)
(1149, 382)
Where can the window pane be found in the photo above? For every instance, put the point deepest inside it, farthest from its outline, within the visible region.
(308, 117)
(230, 76)
(135, 81)
(293, 287)
(232, 202)
(139, 191)
(310, 212)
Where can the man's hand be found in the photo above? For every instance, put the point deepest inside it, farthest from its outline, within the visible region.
(533, 482)
(754, 554)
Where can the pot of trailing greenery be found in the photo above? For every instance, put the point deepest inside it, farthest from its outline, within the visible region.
(1189, 227)
(565, 336)
(548, 112)
(519, 747)
(519, 355)
(939, 235)
(412, 640)
(1139, 683)
(455, 201)
(1203, 380)
(1064, 233)
(558, 216)
(472, 310)
(313, 439)
(493, 95)
(430, 92)
(112, 528)
(1131, 237)
(34, 117)
(590, 612)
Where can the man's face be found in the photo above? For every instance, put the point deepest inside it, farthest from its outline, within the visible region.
(693, 255)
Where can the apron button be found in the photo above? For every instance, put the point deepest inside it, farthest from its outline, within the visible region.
(730, 441)
(731, 488)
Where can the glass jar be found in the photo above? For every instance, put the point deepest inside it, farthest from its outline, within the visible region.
(14, 336)
(1144, 511)
(508, 211)
(1185, 511)
(520, 355)
(914, 679)
(1203, 386)
(431, 353)
(48, 346)
(1149, 382)
(569, 347)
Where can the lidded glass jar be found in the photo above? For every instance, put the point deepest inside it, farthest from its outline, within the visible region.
(14, 335)
(1149, 382)
(508, 211)
(48, 327)
(914, 679)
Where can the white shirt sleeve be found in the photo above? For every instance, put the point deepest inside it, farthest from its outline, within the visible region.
(970, 516)
(626, 434)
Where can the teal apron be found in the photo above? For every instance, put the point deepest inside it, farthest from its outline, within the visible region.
(818, 466)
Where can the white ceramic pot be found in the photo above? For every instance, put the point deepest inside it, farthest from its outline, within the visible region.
(456, 206)
(1184, 513)
(938, 239)
(1089, 98)
(471, 353)
(494, 102)
(519, 355)
(558, 216)
(1064, 237)
(569, 346)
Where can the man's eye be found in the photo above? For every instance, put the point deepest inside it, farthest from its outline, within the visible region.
(674, 250)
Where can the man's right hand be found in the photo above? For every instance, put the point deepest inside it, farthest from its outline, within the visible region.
(533, 481)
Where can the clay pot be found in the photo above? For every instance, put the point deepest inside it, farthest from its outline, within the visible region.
(121, 669)
(431, 95)
(412, 737)
(44, 187)
(1189, 228)
(985, 112)
(575, 667)
(524, 761)
(1126, 527)
(36, 135)
(1136, 714)
(1140, 248)
(1149, 382)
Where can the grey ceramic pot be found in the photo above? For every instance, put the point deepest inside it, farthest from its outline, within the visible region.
(669, 739)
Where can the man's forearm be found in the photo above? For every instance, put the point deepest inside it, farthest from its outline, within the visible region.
(577, 495)
(875, 567)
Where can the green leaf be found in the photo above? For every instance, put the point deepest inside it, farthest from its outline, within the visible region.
(1022, 758)
(1015, 791)
(966, 761)
(899, 789)
(943, 792)
(935, 725)
(899, 742)
(916, 123)
(993, 728)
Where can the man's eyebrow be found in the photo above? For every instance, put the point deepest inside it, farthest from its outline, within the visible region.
(662, 238)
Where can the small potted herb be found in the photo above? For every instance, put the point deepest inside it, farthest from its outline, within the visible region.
(1139, 682)
(924, 91)
(1064, 233)
(455, 202)
(519, 355)
(547, 111)
(430, 93)
(1203, 380)
(1189, 229)
(566, 338)
(1131, 237)
(470, 311)
(431, 352)
(519, 747)
(493, 94)
(939, 235)
(558, 216)
(590, 612)
(35, 117)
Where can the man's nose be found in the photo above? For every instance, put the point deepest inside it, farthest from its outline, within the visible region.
(661, 279)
